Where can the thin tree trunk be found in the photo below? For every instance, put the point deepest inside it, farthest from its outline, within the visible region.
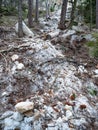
(47, 9)
(20, 29)
(63, 15)
(73, 13)
(91, 14)
(30, 12)
(37, 11)
(97, 14)
(0, 3)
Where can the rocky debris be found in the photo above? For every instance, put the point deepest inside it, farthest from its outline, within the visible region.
(81, 28)
(75, 37)
(46, 80)
(14, 57)
(19, 66)
(61, 90)
(24, 106)
(62, 115)
(96, 71)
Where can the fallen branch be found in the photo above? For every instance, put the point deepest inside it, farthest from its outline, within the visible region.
(14, 47)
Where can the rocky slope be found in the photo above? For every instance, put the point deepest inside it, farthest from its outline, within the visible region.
(43, 88)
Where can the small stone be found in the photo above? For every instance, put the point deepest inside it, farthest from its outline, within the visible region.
(81, 69)
(5, 94)
(14, 57)
(24, 106)
(8, 122)
(27, 127)
(67, 107)
(96, 71)
(28, 120)
(68, 114)
(20, 66)
(13, 69)
(6, 115)
(17, 116)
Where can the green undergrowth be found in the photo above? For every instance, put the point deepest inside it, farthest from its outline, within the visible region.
(93, 46)
(8, 21)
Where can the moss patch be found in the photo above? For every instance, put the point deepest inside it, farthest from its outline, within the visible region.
(93, 48)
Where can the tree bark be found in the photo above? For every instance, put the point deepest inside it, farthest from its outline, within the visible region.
(91, 15)
(63, 15)
(0, 3)
(20, 29)
(37, 11)
(73, 13)
(30, 12)
(47, 9)
(97, 14)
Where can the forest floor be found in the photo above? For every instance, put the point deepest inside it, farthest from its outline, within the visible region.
(61, 81)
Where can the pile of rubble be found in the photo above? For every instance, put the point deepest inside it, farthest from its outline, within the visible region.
(40, 89)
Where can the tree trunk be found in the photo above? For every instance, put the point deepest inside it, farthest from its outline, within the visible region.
(30, 12)
(47, 9)
(37, 11)
(20, 29)
(0, 4)
(97, 14)
(91, 14)
(73, 13)
(63, 15)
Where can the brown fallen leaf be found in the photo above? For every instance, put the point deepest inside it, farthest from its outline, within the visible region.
(83, 106)
(69, 103)
(73, 96)
(97, 66)
(51, 93)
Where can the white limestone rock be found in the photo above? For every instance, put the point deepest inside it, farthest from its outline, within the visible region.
(27, 127)
(81, 69)
(4, 94)
(67, 107)
(11, 124)
(68, 114)
(19, 66)
(24, 106)
(17, 116)
(96, 71)
(14, 57)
